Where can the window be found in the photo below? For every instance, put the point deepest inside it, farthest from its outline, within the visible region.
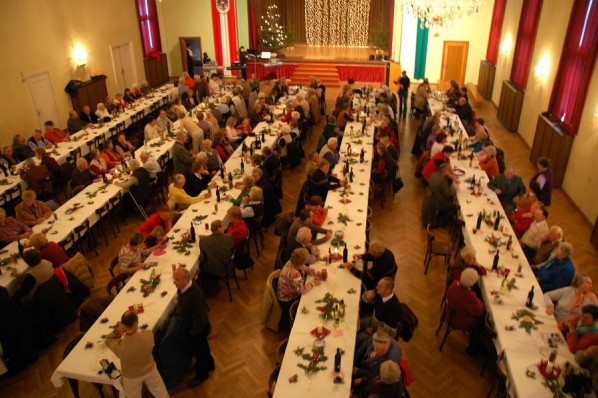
(526, 36)
(148, 23)
(498, 16)
(576, 65)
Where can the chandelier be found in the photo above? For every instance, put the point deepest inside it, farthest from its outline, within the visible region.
(440, 13)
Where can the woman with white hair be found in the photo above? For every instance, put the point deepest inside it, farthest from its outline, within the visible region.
(559, 270)
(283, 141)
(388, 384)
(488, 161)
(466, 307)
(467, 260)
(102, 113)
(31, 211)
(253, 205)
(329, 152)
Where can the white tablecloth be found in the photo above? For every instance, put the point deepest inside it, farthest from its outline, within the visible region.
(339, 282)
(522, 350)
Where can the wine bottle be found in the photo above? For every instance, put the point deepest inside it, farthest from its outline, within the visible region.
(345, 254)
(133, 154)
(351, 175)
(192, 232)
(263, 136)
(243, 148)
(123, 163)
(251, 149)
(230, 180)
(362, 156)
(242, 166)
(495, 261)
(104, 179)
(222, 172)
(337, 360)
(471, 159)
(473, 182)
(509, 243)
(217, 195)
(497, 221)
(20, 247)
(4, 169)
(530, 298)
(478, 224)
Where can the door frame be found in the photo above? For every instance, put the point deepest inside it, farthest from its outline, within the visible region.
(26, 79)
(442, 65)
(131, 54)
(183, 51)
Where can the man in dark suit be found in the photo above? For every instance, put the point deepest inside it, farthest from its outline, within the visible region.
(192, 313)
(181, 157)
(387, 311)
(138, 184)
(507, 186)
(302, 240)
(199, 177)
(378, 262)
(215, 251)
(87, 116)
(81, 174)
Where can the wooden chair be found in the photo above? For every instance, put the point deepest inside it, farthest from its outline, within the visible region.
(436, 248)
(113, 265)
(102, 213)
(118, 282)
(115, 207)
(256, 233)
(280, 350)
(242, 251)
(448, 314)
(11, 198)
(68, 244)
(501, 382)
(84, 233)
(457, 237)
(272, 381)
(293, 312)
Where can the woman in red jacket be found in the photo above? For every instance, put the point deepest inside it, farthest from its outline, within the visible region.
(161, 218)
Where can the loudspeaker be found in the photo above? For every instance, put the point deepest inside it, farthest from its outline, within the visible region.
(372, 57)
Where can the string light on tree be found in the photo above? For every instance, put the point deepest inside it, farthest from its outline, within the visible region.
(272, 34)
(335, 23)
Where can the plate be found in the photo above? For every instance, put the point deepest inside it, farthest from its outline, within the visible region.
(159, 252)
(325, 332)
(458, 172)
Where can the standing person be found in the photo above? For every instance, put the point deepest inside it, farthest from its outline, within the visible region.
(192, 313)
(190, 59)
(243, 61)
(541, 182)
(134, 349)
(404, 82)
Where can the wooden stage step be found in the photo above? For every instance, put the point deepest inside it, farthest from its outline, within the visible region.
(325, 71)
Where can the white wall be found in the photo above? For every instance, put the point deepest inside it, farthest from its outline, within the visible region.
(39, 36)
(408, 41)
(475, 29)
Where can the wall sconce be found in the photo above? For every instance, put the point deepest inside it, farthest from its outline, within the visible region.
(595, 117)
(505, 46)
(541, 68)
(79, 56)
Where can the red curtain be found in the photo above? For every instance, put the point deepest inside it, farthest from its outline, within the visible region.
(217, 34)
(150, 30)
(361, 73)
(498, 16)
(526, 36)
(252, 24)
(275, 72)
(576, 65)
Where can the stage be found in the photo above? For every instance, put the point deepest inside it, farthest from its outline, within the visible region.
(334, 65)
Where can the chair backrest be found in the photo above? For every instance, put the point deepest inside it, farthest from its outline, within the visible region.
(118, 282)
(67, 242)
(71, 344)
(293, 311)
(430, 234)
(272, 381)
(113, 264)
(76, 190)
(12, 193)
(82, 228)
(102, 211)
(115, 199)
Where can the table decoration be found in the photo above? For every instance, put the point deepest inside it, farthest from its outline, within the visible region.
(351, 291)
(345, 200)
(527, 320)
(72, 209)
(293, 378)
(313, 360)
(320, 334)
(157, 144)
(183, 244)
(148, 286)
(199, 219)
(144, 326)
(333, 308)
(554, 386)
(88, 345)
(4, 181)
(494, 241)
(104, 320)
(131, 289)
(343, 218)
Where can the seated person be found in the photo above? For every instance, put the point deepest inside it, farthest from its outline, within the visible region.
(488, 161)
(39, 272)
(8, 158)
(138, 183)
(467, 260)
(464, 110)
(49, 250)
(102, 113)
(524, 216)
(388, 384)
(442, 192)
(30, 211)
(123, 147)
(538, 229)
(387, 311)
(236, 227)
(566, 302)
(50, 163)
(150, 164)
(12, 229)
(559, 270)
(37, 140)
(216, 251)
(301, 240)
(98, 165)
(318, 213)
(582, 331)
(37, 177)
(222, 146)
(110, 156)
(162, 218)
(385, 165)
(233, 136)
(370, 356)
(321, 182)
(436, 160)
(507, 186)
(74, 124)
(151, 130)
(54, 134)
(199, 178)
(378, 261)
(329, 152)
(21, 149)
(468, 308)
(548, 245)
(248, 183)
(133, 254)
(87, 116)
(305, 219)
(81, 175)
(291, 283)
(252, 206)
(177, 195)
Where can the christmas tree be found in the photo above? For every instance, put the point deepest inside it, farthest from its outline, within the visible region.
(272, 35)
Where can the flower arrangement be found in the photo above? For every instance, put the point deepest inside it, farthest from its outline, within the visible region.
(527, 320)
(494, 241)
(148, 286)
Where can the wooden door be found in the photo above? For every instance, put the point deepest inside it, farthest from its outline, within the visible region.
(195, 43)
(454, 61)
(124, 65)
(42, 96)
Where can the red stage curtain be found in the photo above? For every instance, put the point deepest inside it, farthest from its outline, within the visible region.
(361, 73)
(251, 12)
(498, 16)
(526, 36)
(576, 65)
(263, 73)
(148, 23)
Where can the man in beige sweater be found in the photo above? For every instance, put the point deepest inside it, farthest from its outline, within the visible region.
(135, 352)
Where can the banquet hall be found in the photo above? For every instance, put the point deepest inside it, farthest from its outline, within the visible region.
(511, 56)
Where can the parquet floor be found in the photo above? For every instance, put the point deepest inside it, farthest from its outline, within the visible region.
(244, 350)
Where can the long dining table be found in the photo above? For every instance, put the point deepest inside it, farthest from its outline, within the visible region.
(83, 363)
(347, 216)
(525, 335)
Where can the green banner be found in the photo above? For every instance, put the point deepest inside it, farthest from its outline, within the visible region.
(421, 51)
